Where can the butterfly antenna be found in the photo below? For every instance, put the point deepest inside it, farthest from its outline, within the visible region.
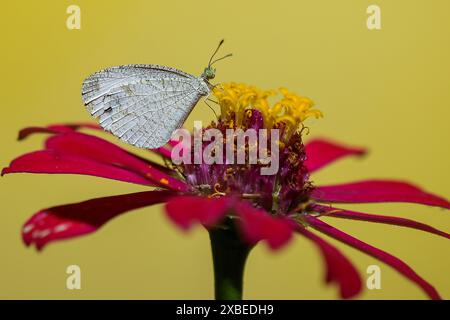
(224, 57)
(215, 51)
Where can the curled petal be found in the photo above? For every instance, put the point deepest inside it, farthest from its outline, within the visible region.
(56, 128)
(381, 255)
(47, 161)
(339, 269)
(377, 191)
(73, 220)
(257, 225)
(184, 211)
(347, 214)
(320, 153)
(102, 151)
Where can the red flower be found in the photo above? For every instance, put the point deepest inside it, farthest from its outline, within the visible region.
(207, 194)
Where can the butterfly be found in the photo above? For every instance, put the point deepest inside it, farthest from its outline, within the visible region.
(144, 104)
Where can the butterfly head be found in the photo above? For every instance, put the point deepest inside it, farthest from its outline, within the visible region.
(209, 73)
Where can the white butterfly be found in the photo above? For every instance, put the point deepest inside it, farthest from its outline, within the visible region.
(144, 104)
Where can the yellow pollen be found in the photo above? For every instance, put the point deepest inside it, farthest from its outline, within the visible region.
(164, 181)
(238, 100)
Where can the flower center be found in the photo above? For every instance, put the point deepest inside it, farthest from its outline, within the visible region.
(247, 108)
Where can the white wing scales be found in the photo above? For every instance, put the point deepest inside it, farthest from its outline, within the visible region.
(142, 104)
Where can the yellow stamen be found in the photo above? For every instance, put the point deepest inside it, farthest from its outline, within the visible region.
(237, 100)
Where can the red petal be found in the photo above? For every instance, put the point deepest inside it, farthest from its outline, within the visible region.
(73, 220)
(71, 127)
(339, 269)
(381, 255)
(184, 211)
(347, 214)
(164, 151)
(377, 191)
(47, 161)
(102, 151)
(321, 152)
(257, 225)
(155, 165)
(173, 143)
(57, 128)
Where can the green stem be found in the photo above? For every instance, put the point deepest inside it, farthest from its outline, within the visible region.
(229, 256)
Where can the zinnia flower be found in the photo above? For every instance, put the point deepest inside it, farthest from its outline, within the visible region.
(236, 203)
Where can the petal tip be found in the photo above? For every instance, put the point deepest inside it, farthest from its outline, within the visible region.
(4, 171)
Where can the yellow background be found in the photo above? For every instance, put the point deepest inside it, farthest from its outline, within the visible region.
(387, 90)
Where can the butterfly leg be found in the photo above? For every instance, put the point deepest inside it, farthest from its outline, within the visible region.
(207, 99)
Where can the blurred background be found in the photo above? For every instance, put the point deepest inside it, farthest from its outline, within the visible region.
(384, 89)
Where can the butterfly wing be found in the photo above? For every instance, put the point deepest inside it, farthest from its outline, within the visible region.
(142, 104)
